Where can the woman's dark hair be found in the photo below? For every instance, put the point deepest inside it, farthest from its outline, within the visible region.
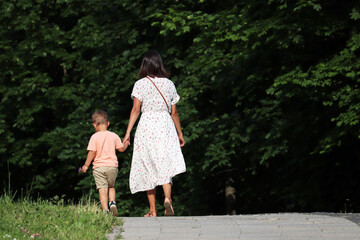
(152, 65)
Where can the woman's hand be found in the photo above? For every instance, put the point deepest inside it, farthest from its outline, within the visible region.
(126, 138)
(182, 141)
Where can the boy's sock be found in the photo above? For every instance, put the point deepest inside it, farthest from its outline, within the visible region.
(113, 209)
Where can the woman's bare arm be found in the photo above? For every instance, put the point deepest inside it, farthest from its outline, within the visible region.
(175, 118)
(134, 114)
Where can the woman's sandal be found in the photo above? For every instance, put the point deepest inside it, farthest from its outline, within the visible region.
(169, 211)
(150, 214)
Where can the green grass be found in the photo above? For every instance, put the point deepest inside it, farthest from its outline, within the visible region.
(52, 221)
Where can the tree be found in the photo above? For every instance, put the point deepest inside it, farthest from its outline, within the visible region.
(269, 97)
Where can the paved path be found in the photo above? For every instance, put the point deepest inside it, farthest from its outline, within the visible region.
(287, 226)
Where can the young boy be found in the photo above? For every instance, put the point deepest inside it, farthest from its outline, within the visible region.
(101, 149)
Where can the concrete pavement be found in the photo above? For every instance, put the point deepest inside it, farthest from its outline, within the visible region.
(284, 226)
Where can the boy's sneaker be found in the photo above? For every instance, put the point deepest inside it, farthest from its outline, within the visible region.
(113, 209)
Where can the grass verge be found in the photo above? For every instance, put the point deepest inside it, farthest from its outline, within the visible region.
(26, 219)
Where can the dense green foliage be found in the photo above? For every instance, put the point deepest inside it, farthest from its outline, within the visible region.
(43, 219)
(269, 90)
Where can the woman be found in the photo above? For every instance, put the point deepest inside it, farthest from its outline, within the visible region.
(157, 156)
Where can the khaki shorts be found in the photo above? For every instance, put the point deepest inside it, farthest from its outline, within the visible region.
(105, 176)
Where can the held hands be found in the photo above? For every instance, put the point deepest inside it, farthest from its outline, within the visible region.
(127, 138)
(126, 142)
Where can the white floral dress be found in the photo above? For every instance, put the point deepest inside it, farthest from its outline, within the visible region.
(157, 156)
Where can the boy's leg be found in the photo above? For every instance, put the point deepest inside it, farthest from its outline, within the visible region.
(112, 194)
(111, 174)
(111, 178)
(102, 186)
(103, 193)
(112, 203)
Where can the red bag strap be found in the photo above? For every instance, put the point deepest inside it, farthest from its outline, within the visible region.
(167, 106)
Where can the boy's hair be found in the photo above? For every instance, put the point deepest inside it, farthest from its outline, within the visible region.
(99, 117)
(152, 65)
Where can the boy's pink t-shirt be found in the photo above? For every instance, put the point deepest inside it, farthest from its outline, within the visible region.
(104, 143)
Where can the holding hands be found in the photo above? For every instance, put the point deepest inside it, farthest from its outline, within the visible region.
(126, 142)
(127, 138)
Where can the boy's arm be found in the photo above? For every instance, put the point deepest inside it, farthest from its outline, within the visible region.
(91, 155)
(124, 146)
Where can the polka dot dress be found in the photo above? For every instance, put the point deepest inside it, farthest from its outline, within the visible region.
(157, 156)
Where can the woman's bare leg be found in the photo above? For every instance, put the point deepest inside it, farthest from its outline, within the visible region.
(169, 211)
(151, 197)
(167, 191)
